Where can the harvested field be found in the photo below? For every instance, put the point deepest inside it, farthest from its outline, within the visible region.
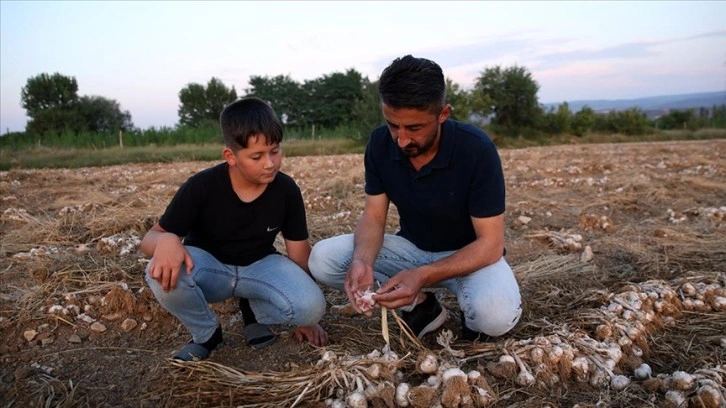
(620, 250)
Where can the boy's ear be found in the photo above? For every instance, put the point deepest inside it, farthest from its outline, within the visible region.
(228, 156)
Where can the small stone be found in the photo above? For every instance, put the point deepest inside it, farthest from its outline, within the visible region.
(143, 326)
(112, 317)
(74, 339)
(98, 327)
(86, 318)
(30, 335)
(47, 341)
(148, 317)
(524, 219)
(128, 324)
(586, 254)
(43, 335)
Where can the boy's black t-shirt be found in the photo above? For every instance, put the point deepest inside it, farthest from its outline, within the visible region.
(209, 215)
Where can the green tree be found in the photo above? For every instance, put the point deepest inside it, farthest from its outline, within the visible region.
(557, 121)
(510, 95)
(366, 113)
(56, 120)
(102, 115)
(678, 119)
(200, 105)
(285, 95)
(460, 100)
(583, 121)
(629, 122)
(332, 97)
(43, 92)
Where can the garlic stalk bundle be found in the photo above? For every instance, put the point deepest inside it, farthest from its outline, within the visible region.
(357, 398)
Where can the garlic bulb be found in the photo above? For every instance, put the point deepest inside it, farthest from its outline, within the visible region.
(402, 392)
(619, 382)
(356, 399)
(453, 372)
(472, 376)
(643, 372)
(428, 363)
(675, 398)
(682, 381)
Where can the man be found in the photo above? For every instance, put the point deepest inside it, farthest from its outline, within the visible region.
(445, 178)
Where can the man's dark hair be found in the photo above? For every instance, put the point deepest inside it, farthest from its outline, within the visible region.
(247, 117)
(411, 82)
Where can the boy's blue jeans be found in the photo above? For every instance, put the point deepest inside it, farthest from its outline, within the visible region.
(489, 297)
(279, 291)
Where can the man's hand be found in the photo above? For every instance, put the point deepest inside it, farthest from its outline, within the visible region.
(358, 280)
(314, 334)
(400, 290)
(169, 255)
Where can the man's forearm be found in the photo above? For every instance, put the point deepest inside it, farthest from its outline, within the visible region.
(468, 259)
(368, 240)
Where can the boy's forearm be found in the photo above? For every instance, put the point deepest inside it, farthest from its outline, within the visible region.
(151, 239)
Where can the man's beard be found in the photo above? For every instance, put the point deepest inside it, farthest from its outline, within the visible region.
(414, 150)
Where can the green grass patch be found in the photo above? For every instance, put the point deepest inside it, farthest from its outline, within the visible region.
(44, 157)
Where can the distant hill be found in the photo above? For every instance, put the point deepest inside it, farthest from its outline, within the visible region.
(653, 106)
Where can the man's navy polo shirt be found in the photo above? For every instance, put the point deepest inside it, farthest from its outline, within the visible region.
(435, 204)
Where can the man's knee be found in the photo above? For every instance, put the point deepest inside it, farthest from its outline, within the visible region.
(495, 319)
(328, 256)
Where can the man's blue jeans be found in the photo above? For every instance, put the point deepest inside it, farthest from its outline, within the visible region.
(489, 297)
(279, 291)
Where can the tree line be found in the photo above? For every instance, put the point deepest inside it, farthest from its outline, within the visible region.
(503, 100)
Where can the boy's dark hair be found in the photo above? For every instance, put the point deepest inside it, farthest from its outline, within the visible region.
(248, 117)
(411, 82)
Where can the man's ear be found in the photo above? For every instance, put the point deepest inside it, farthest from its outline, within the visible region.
(445, 113)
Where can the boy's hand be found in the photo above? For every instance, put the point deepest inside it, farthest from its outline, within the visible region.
(169, 255)
(314, 334)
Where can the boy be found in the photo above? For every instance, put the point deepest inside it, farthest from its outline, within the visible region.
(215, 239)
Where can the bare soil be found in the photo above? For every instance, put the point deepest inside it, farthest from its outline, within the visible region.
(647, 211)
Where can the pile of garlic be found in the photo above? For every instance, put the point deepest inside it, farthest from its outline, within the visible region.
(564, 241)
(619, 341)
(125, 243)
(379, 381)
(612, 359)
(705, 387)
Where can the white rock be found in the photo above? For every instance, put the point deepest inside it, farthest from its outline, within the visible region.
(30, 335)
(524, 219)
(128, 324)
(98, 327)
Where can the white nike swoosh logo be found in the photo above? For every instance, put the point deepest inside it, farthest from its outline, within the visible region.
(271, 229)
